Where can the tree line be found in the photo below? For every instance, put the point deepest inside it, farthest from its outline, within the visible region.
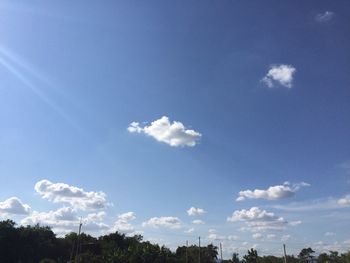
(39, 244)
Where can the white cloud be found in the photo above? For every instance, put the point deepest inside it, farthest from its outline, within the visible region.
(13, 206)
(164, 221)
(270, 236)
(295, 223)
(198, 222)
(285, 238)
(65, 220)
(257, 236)
(310, 205)
(76, 197)
(324, 17)
(272, 193)
(193, 211)
(329, 234)
(279, 74)
(232, 237)
(212, 235)
(190, 230)
(345, 201)
(174, 134)
(123, 225)
(258, 220)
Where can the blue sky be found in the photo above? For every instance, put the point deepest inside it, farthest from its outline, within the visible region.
(129, 113)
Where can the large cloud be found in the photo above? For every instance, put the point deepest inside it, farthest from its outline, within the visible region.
(76, 197)
(65, 220)
(281, 75)
(272, 193)
(193, 211)
(14, 206)
(164, 221)
(174, 134)
(258, 220)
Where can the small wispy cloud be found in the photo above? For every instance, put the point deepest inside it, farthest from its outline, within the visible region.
(174, 134)
(198, 222)
(285, 238)
(280, 75)
(164, 221)
(324, 17)
(322, 204)
(329, 234)
(190, 230)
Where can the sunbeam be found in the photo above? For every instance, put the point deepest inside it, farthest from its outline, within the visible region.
(13, 67)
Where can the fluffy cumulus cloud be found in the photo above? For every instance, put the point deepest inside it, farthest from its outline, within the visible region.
(65, 220)
(324, 17)
(123, 225)
(281, 75)
(272, 193)
(193, 211)
(13, 206)
(345, 201)
(174, 134)
(74, 196)
(164, 221)
(258, 220)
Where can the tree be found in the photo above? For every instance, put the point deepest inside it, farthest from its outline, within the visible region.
(251, 257)
(306, 255)
(235, 258)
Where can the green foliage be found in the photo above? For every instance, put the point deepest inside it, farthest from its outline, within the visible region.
(251, 257)
(306, 255)
(33, 244)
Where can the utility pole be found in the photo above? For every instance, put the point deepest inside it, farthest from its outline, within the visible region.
(285, 255)
(221, 251)
(199, 250)
(186, 251)
(77, 256)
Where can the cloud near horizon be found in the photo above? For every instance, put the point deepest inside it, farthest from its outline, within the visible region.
(65, 220)
(174, 134)
(13, 206)
(281, 75)
(272, 193)
(256, 219)
(123, 225)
